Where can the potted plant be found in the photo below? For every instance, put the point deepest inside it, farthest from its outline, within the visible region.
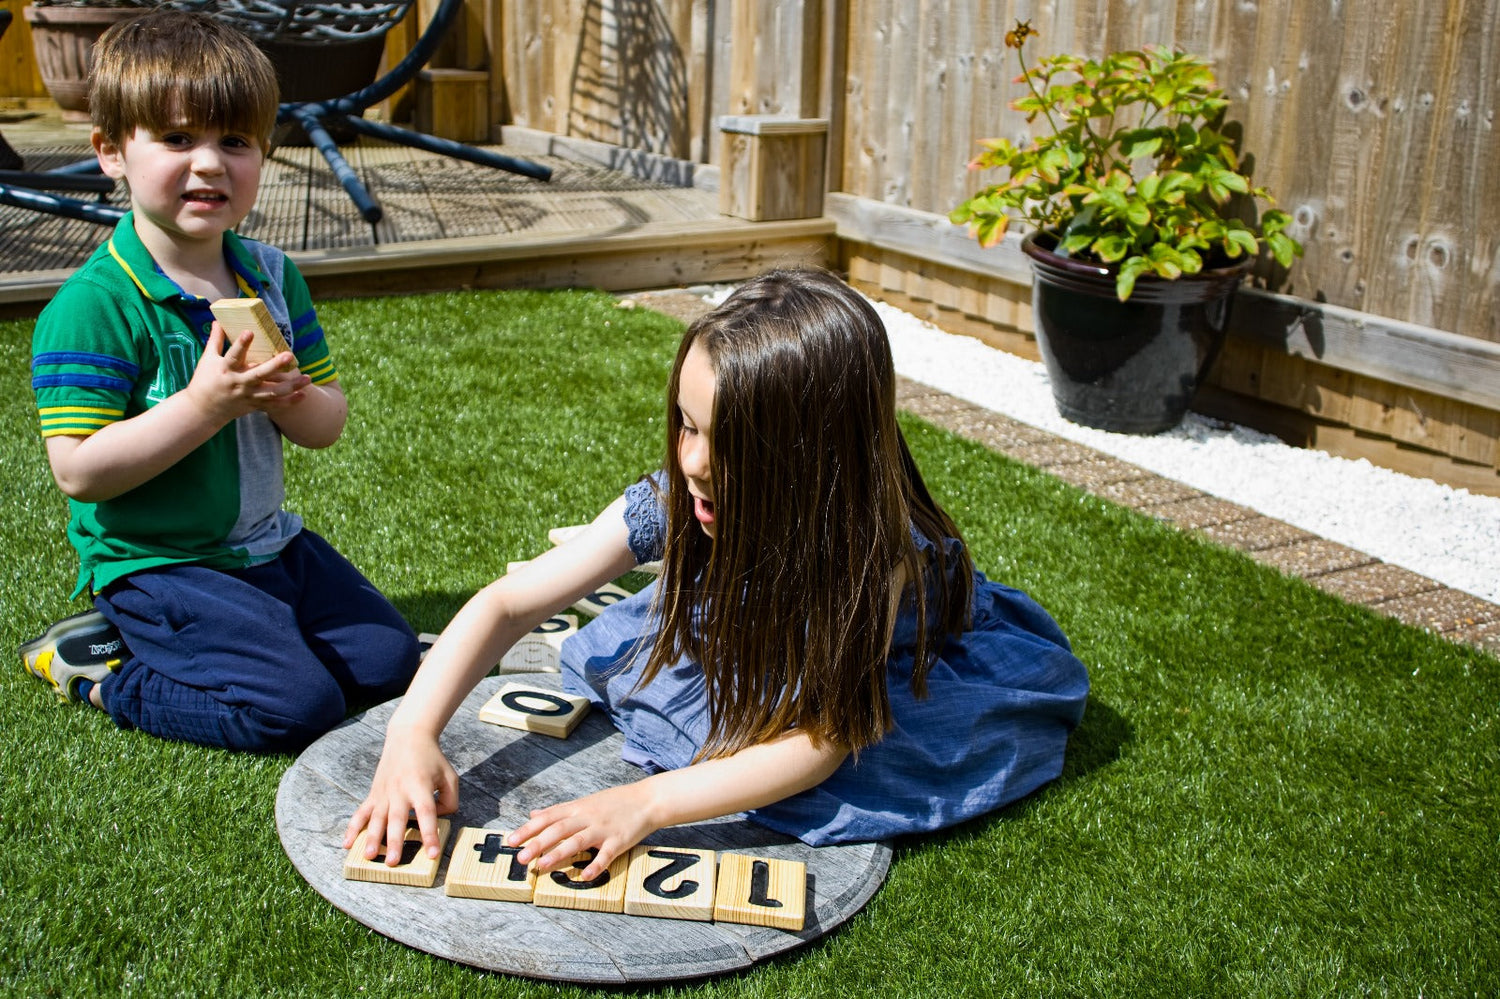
(63, 33)
(1142, 227)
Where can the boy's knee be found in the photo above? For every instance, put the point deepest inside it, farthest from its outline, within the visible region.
(385, 666)
(287, 727)
(401, 666)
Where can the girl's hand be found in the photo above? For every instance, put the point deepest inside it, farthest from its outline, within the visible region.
(611, 821)
(413, 777)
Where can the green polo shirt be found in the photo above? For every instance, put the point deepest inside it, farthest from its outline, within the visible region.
(118, 338)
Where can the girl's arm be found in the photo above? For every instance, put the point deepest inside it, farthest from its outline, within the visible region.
(615, 819)
(413, 776)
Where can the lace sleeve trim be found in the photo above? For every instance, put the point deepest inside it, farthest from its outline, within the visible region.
(646, 518)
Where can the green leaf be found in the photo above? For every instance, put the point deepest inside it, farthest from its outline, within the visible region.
(1139, 144)
(1283, 248)
(1071, 245)
(1237, 241)
(1111, 248)
(991, 230)
(1233, 181)
(1129, 271)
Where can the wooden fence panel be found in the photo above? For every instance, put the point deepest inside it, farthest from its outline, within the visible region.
(1372, 120)
(19, 78)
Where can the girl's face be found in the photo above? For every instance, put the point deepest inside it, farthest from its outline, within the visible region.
(696, 384)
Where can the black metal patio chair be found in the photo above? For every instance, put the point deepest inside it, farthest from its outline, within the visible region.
(316, 25)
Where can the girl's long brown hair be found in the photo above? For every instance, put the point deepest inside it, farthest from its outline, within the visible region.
(790, 609)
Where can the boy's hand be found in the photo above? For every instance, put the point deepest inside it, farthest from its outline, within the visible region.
(413, 777)
(225, 387)
(612, 821)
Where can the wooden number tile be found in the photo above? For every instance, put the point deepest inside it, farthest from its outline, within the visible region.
(562, 889)
(561, 535)
(482, 866)
(761, 891)
(416, 868)
(237, 315)
(531, 709)
(540, 649)
(670, 881)
(594, 604)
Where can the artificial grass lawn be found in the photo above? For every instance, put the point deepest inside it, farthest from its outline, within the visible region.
(1272, 793)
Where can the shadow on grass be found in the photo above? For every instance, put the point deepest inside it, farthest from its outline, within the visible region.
(1097, 741)
(429, 611)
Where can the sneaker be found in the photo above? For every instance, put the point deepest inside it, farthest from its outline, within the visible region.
(82, 647)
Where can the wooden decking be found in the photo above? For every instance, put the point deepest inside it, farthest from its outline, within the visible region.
(447, 223)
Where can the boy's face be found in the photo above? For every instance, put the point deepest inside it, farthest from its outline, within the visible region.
(191, 182)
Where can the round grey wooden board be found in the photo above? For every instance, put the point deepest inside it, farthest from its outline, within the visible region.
(503, 774)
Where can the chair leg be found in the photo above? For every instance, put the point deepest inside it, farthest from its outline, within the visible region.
(345, 174)
(9, 158)
(447, 147)
(49, 204)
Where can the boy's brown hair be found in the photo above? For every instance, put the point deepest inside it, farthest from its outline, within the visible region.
(169, 67)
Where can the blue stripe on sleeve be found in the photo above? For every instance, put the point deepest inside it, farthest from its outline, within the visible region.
(307, 339)
(81, 381)
(83, 357)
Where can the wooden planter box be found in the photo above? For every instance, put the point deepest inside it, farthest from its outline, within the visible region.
(772, 167)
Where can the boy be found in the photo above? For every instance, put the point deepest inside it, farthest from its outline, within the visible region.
(240, 628)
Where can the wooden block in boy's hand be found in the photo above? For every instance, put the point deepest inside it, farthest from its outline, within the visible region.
(562, 889)
(484, 867)
(416, 868)
(670, 881)
(540, 650)
(761, 891)
(531, 709)
(237, 315)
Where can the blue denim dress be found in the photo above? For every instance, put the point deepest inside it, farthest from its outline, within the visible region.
(1001, 701)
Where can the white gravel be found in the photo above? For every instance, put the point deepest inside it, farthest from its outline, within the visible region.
(1448, 535)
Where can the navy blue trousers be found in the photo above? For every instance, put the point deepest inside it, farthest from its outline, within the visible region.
(264, 659)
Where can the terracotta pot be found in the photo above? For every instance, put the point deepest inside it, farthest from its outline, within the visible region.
(1131, 367)
(63, 39)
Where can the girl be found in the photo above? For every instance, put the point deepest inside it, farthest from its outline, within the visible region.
(819, 651)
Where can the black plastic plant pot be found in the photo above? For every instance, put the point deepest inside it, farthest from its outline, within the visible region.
(1131, 367)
